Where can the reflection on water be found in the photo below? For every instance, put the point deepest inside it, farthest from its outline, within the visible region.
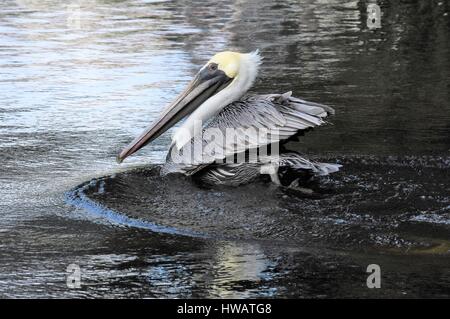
(235, 266)
(79, 79)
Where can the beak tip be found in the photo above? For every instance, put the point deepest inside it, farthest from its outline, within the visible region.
(119, 159)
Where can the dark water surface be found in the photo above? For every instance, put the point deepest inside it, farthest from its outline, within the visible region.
(79, 80)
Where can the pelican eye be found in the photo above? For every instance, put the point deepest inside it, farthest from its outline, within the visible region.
(212, 67)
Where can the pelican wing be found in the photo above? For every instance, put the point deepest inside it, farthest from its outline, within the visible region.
(250, 123)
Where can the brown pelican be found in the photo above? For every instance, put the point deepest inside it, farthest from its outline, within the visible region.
(215, 102)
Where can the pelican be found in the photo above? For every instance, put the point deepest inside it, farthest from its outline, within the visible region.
(215, 102)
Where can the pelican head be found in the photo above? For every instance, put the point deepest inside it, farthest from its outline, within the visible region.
(222, 80)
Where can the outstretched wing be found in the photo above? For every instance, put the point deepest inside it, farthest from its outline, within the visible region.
(250, 123)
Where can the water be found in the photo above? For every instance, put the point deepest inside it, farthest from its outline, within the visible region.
(78, 81)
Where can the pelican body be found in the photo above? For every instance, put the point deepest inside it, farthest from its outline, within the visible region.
(230, 137)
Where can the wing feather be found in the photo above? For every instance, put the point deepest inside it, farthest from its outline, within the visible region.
(258, 120)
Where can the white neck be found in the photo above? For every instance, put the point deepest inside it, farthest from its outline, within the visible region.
(248, 70)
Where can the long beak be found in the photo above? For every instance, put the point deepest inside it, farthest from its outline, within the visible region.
(202, 87)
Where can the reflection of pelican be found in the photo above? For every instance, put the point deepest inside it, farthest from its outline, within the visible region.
(235, 265)
(215, 104)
